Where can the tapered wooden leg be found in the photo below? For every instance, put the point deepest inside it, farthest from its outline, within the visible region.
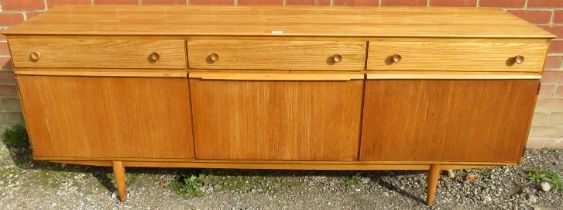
(119, 172)
(432, 182)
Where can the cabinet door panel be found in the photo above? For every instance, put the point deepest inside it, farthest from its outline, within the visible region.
(276, 120)
(107, 117)
(447, 120)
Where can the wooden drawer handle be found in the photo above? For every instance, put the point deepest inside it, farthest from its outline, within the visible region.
(515, 60)
(336, 58)
(212, 58)
(34, 56)
(154, 57)
(395, 58)
(518, 59)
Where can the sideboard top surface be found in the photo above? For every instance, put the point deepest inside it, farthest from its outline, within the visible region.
(279, 21)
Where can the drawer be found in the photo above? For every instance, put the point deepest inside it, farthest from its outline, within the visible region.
(457, 55)
(97, 52)
(276, 55)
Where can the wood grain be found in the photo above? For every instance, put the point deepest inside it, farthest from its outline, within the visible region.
(457, 54)
(454, 120)
(119, 172)
(296, 21)
(97, 52)
(107, 117)
(287, 165)
(276, 120)
(451, 75)
(432, 183)
(276, 76)
(97, 72)
(276, 55)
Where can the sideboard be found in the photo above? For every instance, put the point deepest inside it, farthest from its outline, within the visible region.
(299, 88)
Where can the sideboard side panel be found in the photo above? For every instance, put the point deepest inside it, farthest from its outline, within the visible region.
(107, 117)
(276, 120)
(453, 120)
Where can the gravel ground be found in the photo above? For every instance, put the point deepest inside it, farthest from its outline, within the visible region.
(41, 185)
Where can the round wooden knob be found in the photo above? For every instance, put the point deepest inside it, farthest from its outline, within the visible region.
(213, 57)
(396, 58)
(154, 57)
(518, 59)
(34, 56)
(336, 58)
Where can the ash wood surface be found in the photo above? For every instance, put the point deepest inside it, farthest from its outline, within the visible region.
(266, 21)
(457, 54)
(107, 117)
(290, 165)
(432, 183)
(119, 172)
(273, 120)
(276, 76)
(450, 75)
(276, 54)
(454, 120)
(97, 52)
(97, 72)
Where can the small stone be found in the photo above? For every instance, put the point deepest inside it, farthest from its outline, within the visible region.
(358, 190)
(546, 187)
(532, 199)
(450, 173)
(487, 199)
(365, 180)
(386, 194)
(471, 177)
(114, 194)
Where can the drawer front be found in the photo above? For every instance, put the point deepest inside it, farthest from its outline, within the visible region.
(276, 120)
(107, 117)
(97, 53)
(457, 55)
(276, 55)
(446, 120)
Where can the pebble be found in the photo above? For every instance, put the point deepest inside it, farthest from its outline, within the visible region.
(546, 187)
(504, 188)
(450, 173)
(487, 199)
(532, 199)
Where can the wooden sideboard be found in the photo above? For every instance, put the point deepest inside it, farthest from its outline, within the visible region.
(305, 88)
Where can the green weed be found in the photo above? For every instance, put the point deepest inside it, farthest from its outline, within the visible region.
(352, 181)
(188, 186)
(17, 142)
(538, 176)
(16, 136)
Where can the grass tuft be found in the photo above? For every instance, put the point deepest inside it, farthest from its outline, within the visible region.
(16, 137)
(352, 181)
(538, 176)
(188, 186)
(17, 142)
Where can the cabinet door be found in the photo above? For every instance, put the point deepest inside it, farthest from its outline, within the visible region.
(276, 120)
(447, 120)
(107, 117)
